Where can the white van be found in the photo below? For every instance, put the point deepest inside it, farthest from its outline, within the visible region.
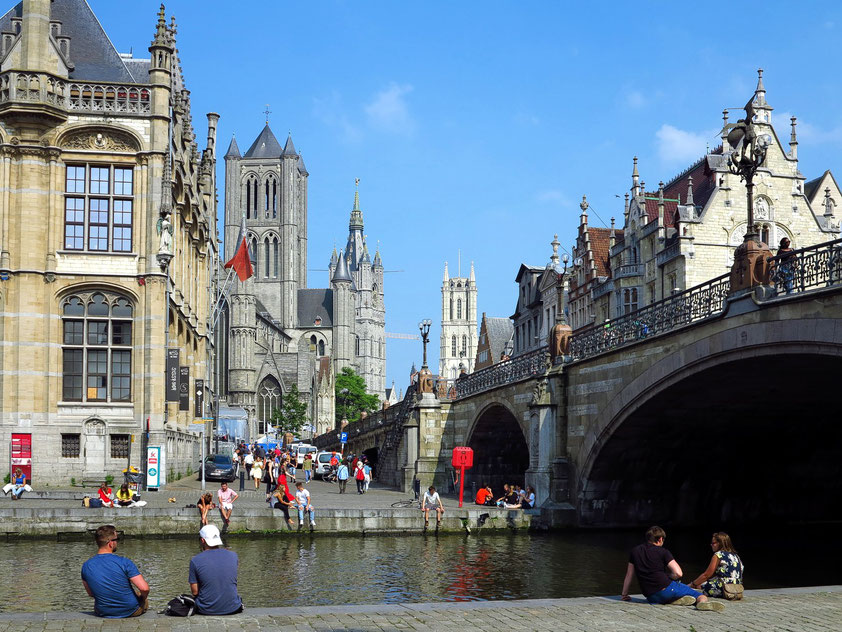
(301, 449)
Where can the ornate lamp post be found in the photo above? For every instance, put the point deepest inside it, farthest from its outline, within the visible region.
(750, 267)
(425, 377)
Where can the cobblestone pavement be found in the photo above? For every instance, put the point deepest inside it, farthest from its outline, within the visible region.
(790, 610)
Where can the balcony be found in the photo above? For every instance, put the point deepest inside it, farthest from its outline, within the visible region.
(668, 254)
(602, 289)
(56, 96)
(629, 270)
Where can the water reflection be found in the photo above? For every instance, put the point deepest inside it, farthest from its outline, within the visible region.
(321, 570)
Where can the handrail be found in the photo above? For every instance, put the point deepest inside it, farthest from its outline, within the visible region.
(519, 368)
(807, 268)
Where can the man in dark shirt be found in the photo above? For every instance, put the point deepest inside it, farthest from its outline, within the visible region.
(114, 582)
(657, 573)
(213, 576)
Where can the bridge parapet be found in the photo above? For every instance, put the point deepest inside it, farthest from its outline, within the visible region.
(809, 268)
(522, 367)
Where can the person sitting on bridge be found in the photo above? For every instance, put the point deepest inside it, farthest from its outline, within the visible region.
(484, 496)
(658, 574)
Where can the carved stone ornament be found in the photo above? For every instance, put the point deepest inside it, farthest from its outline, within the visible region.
(111, 140)
(539, 391)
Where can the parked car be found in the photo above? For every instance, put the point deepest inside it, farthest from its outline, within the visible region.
(302, 449)
(321, 463)
(219, 467)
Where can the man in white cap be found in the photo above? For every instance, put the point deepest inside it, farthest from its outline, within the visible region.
(213, 576)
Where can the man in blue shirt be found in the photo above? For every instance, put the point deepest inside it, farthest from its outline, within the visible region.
(213, 576)
(114, 582)
(342, 476)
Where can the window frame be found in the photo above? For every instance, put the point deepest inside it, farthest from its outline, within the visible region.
(91, 203)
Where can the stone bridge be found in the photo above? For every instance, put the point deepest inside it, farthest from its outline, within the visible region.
(708, 408)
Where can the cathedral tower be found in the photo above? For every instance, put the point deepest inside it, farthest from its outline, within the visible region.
(458, 324)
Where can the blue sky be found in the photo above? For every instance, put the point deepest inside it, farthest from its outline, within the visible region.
(478, 126)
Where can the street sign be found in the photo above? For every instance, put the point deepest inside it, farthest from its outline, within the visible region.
(343, 437)
(153, 467)
(172, 375)
(184, 388)
(199, 400)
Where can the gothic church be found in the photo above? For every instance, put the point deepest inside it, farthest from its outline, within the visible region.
(281, 332)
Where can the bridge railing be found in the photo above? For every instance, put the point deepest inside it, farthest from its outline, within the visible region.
(808, 268)
(678, 310)
(514, 370)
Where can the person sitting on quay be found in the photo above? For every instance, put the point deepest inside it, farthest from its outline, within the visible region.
(205, 504)
(284, 503)
(226, 499)
(106, 495)
(342, 476)
(302, 500)
(506, 492)
(118, 588)
(213, 576)
(725, 567)
(128, 498)
(485, 496)
(18, 485)
(658, 574)
(432, 502)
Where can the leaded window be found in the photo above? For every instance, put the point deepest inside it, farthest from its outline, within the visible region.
(96, 348)
(70, 446)
(268, 400)
(98, 208)
(119, 446)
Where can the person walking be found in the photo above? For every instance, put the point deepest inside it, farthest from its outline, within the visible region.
(367, 470)
(307, 466)
(302, 500)
(213, 576)
(226, 499)
(257, 472)
(117, 587)
(342, 476)
(359, 476)
(432, 502)
(658, 574)
(248, 461)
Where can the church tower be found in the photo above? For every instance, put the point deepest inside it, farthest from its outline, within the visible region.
(458, 324)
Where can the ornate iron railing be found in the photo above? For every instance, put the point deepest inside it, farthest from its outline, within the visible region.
(679, 310)
(40, 87)
(519, 368)
(808, 268)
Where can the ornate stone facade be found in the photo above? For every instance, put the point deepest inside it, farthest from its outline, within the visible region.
(458, 325)
(95, 149)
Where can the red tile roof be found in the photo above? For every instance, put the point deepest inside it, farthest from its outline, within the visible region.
(600, 239)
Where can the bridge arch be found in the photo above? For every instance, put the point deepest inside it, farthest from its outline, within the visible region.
(500, 444)
(721, 431)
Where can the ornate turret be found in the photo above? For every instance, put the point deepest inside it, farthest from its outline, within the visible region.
(793, 141)
(635, 179)
(233, 150)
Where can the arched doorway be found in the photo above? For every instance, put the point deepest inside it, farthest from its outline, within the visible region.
(500, 451)
(752, 440)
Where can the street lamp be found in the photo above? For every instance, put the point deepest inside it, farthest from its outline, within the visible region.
(424, 328)
(425, 377)
(559, 338)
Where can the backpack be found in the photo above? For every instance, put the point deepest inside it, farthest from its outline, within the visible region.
(360, 476)
(181, 606)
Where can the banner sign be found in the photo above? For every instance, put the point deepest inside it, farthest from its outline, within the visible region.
(199, 389)
(184, 388)
(172, 375)
(153, 466)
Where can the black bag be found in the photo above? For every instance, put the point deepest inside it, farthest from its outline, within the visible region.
(181, 606)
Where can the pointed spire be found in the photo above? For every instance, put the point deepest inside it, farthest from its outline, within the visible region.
(366, 258)
(289, 148)
(725, 146)
(301, 168)
(471, 276)
(759, 99)
(162, 37)
(341, 273)
(356, 214)
(689, 201)
(446, 276)
(334, 258)
(378, 262)
(233, 149)
(584, 206)
(793, 141)
(554, 257)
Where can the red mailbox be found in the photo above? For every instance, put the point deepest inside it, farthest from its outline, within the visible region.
(463, 457)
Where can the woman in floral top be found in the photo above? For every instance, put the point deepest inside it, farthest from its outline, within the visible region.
(725, 567)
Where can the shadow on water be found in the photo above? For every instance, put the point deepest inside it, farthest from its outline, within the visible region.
(323, 570)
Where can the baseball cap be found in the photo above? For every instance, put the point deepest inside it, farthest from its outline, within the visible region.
(210, 534)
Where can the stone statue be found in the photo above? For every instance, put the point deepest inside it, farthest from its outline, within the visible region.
(165, 231)
(559, 340)
(425, 381)
(539, 390)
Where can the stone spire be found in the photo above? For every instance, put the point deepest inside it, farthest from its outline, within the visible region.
(612, 239)
(289, 148)
(162, 34)
(554, 257)
(378, 262)
(689, 201)
(635, 179)
(760, 91)
(724, 135)
(626, 208)
(366, 258)
(356, 213)
(473, 279)
(334, 258)
(341, 273)
(233, 149)
(446, 275)
(793, 141)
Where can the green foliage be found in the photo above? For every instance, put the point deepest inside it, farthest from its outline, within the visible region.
(351, 396)
(109, 479)
(189, 470)
(292, 414)
(178, 476)
(72, 481)
(7, 479)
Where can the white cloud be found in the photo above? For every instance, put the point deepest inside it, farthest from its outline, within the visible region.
(805, 131)
(635, 99)
(331, 112)
(388, 110)
(678, 145)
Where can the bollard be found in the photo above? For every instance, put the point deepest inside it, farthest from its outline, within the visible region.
(242, 480)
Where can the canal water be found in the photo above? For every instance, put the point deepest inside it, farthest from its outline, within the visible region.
(324, 570)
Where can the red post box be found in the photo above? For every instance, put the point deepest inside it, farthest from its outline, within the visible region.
(462, 458)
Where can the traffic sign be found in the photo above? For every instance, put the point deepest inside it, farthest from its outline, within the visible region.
(343, 437)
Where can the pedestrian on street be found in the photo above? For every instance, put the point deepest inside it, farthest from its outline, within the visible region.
(257, 472)
(658, 574)
(367, 470)
(359, 476)
(213, 576)
(248, 461)
(118, 588)
(342, 476)
(302, 500)
(226, 499)
(307, 466)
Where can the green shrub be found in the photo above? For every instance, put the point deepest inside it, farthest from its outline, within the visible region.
(72, 482)
(7, 479)
(189, 470)
(178, 476)
(109, 479)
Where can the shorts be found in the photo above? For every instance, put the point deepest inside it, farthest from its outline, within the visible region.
(674, 591)
(227, 505)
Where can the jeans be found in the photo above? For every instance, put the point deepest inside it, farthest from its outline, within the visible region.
(308, 474)
(672, 592)
(342, 484)
(311, 512)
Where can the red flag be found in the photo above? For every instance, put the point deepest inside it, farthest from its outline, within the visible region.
(241, 261)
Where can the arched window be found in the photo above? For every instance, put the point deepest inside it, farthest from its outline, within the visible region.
(765, 233)
(276, 257)
(321, 348)
(453, 346)
(274, 198)
(357, 345)
(459, 309)
(312, 343)
(251, 197)
(97, 348)
(266, 258)
(268, 401)
(266, 210)
(253, 251)
(465, 346)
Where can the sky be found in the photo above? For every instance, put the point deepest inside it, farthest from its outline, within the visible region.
(476, 127)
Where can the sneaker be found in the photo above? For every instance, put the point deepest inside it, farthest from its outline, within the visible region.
(312, 526)
(715, 606)
(686, 600)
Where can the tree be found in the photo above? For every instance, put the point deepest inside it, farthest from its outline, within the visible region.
(292, 415)
(351, 396)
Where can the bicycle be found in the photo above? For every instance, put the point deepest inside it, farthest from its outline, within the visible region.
(330, 476)
(409, 502)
